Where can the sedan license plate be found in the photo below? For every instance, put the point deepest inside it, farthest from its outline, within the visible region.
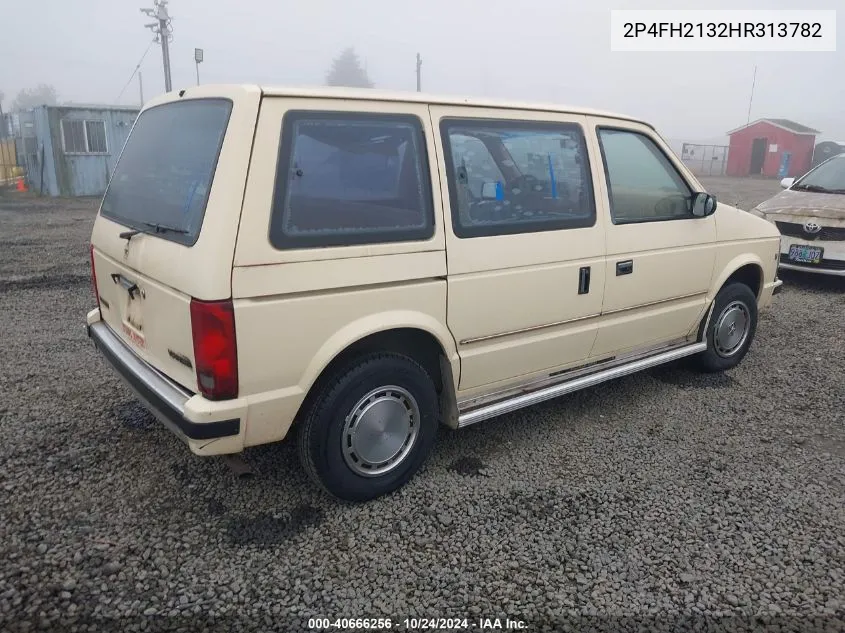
(806, 254)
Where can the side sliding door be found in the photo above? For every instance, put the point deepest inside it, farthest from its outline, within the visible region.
(525, 246)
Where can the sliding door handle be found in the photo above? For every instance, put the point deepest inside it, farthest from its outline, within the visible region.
(584, 280)
(625, 268)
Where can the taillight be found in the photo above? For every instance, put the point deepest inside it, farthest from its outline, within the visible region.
(215, 348)
(94, 277)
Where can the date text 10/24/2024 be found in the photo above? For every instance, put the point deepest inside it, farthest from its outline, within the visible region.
(417, 624)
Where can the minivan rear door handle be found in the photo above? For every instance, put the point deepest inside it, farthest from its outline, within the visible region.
(625, 268)
(130, 286)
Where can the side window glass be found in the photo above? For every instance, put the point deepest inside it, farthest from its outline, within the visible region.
(516, 177)
(644, 186)
(349, 178)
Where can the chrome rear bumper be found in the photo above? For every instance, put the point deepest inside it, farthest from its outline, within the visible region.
(164, 398)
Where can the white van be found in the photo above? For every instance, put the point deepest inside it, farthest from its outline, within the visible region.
(360, 266)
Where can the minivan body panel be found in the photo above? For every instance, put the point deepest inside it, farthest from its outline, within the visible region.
(672, 266)
(513, 304)
(287, 361)
(155, 320)
(334, 295)
(253, 246)
(155, 323)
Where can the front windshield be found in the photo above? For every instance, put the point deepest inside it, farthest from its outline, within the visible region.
(827, 177)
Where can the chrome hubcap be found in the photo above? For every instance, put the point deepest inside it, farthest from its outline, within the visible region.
(731, 329)
(380, 431)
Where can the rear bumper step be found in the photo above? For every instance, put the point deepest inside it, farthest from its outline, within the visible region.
(165, 398)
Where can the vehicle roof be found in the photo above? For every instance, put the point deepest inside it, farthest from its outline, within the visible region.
(421, 97)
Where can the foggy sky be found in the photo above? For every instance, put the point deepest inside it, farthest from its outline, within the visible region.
(545, 50)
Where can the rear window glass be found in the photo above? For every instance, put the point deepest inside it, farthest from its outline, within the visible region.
(164, 174)
(350, 178)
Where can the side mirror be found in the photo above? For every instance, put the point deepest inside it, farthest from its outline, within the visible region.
(492, 191)
(703, 204)
(786, 183)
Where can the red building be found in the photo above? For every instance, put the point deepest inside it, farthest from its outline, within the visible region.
(771, 147)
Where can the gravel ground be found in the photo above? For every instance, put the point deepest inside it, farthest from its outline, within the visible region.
(666, 500)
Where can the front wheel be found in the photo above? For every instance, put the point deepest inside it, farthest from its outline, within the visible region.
(731, 328)
(371, 426)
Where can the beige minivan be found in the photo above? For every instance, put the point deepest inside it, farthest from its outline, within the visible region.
(360, 266)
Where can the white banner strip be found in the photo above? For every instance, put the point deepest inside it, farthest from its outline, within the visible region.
(720, 30)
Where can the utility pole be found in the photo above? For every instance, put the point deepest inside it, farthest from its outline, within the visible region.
(141, 87)
(419, 78)
(162, 30)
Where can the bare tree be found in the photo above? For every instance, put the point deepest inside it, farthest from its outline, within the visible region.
(346, 70)
(42, 94)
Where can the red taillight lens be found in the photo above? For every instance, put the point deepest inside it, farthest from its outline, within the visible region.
(94, 276)
(215, 348)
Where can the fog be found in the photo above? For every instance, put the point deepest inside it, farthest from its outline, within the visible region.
(547, 50)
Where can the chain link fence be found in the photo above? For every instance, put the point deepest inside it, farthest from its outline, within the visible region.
(705, 160)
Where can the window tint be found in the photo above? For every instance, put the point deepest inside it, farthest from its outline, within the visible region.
(644, 186)
(348, 179)
(516, 177)
(165, 171)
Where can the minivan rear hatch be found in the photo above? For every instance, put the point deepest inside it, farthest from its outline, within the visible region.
(168, 221)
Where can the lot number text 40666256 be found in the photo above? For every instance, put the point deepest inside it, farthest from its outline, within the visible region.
(417, 624)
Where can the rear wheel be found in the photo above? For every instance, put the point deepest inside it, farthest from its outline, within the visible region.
(732, 326)
(370, 427)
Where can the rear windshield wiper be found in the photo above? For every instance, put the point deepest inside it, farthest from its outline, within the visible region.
(163, 228)
(157, 228)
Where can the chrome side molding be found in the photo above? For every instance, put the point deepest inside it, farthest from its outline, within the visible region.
(568, 384)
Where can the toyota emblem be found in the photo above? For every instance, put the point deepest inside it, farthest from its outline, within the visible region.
(812, 227)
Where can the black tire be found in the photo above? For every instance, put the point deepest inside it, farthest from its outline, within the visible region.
(718, 356)
(325, 442)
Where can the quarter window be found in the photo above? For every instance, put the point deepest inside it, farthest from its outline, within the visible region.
(510, 177)
(350, 178)
(643, 185)
(84, 137)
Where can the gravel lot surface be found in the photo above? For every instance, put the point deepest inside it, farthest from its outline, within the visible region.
(666, 500)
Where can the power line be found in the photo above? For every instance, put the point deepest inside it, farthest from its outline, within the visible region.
(751, 98)
(137, 67)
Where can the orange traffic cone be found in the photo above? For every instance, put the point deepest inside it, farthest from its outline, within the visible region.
(21, 185)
